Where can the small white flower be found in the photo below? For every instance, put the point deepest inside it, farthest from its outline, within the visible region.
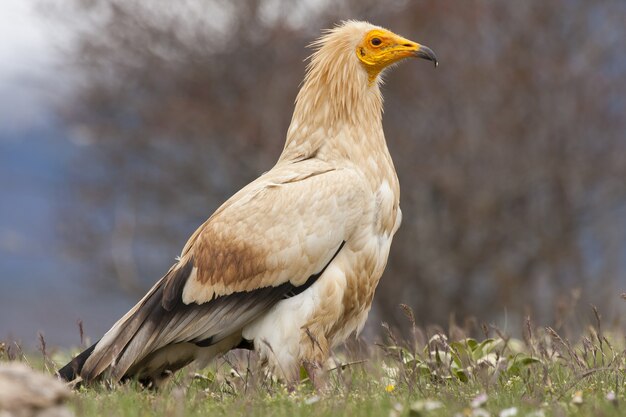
(508, 412)
(426, 405)
(439, 338)
(312, 400)
(480, 412)
(479, 400)
(396, 410)
(577, 398)
(490, 359)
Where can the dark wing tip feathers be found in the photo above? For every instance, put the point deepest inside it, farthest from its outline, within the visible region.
(174, 284)
(73, 369)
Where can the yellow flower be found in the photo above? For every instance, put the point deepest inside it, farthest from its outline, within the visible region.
(390, 388)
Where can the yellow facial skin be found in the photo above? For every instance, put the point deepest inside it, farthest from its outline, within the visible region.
(381, 48)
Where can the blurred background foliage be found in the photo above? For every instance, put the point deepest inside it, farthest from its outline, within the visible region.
(511, 154)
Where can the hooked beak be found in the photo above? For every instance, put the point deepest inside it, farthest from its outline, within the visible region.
(425, 52)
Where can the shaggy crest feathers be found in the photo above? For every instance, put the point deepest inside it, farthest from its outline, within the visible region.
(335, 92)
(335, 76)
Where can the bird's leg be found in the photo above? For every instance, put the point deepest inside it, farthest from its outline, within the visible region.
(316, 374)
(291, 386)
(314, 356)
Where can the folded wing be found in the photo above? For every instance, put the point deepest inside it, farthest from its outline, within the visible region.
(271, 240)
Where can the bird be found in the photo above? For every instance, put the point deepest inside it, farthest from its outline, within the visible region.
(287, 266)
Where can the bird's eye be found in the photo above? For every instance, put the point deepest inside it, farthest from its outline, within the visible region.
(376, 41)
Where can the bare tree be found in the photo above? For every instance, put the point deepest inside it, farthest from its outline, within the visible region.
(511, 155)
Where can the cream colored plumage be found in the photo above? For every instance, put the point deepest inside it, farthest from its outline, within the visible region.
(288, 265)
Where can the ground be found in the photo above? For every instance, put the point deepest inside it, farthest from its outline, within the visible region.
(540, 374)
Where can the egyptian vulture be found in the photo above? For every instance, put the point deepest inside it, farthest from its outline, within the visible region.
(289, 264)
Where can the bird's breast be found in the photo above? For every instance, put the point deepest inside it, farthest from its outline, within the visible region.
(387, 215)
(363, 262)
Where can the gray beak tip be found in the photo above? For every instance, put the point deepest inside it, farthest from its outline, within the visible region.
(426, 53)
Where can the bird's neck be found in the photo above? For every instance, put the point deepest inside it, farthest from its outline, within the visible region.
(338, 113)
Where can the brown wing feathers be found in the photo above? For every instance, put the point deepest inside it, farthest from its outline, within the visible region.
(162, 319)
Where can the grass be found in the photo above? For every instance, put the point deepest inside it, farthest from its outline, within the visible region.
(434, 374)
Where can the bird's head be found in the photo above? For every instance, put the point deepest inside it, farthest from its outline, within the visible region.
(341, 83)
(380, 48)
(354, 46)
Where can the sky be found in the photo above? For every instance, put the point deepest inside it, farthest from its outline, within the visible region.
(27, 53)
(37, 291)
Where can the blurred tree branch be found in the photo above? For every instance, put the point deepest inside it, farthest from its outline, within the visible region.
(511, 155)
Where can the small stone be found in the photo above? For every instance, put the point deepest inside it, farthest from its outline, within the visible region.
(26, 392)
